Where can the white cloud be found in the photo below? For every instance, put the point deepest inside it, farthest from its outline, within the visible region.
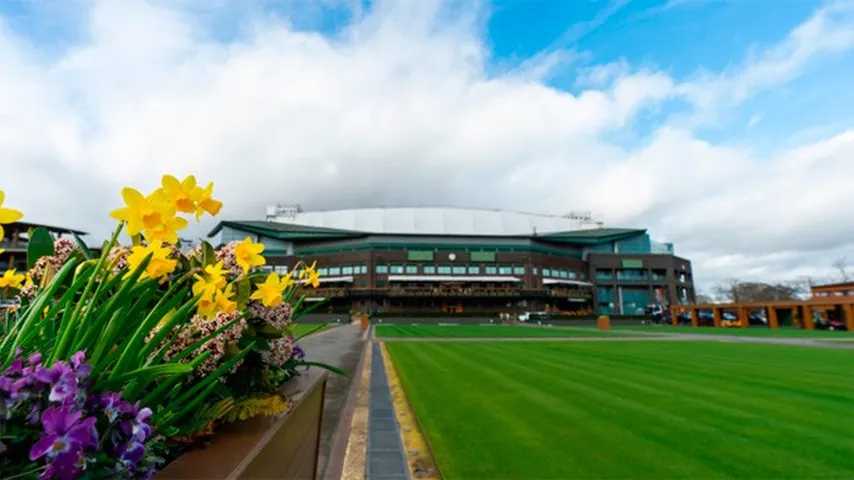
(829, 30)
(400, 108)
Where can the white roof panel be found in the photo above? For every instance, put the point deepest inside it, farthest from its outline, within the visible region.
(437, 221)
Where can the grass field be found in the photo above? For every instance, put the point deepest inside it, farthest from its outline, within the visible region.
(300, 329)
(751, 331)
(469, 331)
(632, 409)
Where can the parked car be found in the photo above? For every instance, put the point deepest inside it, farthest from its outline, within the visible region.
(823, 323)
(757, 318)
(656, 312)
(705, 317)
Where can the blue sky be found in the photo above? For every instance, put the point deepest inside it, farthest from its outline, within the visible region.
(724, 126)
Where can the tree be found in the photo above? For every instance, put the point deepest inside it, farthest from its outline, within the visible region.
(736, 291)
(841, 264)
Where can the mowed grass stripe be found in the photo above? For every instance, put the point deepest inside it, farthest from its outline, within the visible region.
(615, 398)
(487, 331)
(734, 411)
(539, 433)
(786, 332)
(592, 406)
(616, 409)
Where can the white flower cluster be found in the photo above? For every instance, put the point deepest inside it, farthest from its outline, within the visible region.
(62, 249)
(229, 259)
(279, 352)
(118, 258)
(279, 317)
(200, 327)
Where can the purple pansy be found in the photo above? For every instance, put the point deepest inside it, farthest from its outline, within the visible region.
(298, 353)
(66, 436)
(114, 406)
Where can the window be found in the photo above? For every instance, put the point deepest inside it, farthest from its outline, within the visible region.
(631, 274)
(604, 274)
(411, 269)
(444, 270)
(564, 274)
(474, 270)
(573, 275)
(536, 272)
(348, 270)
(518, 270)
(396, 269)
(547, 272)
(334, 271)
(382, 268)
(363, 269)
(323, 271)
(459, 270)
(429, 269)
(505, 270)
(491, 270)
(281, 269)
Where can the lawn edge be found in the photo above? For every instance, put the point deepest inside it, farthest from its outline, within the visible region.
(355, 453)
(416, 448)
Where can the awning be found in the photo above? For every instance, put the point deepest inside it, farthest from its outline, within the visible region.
(450, 278)
(346, 278)
(560, 281)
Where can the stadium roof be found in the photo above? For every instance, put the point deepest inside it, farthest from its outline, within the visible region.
(429, 221)
(436, 221)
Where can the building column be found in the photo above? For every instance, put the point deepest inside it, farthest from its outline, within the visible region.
(742, 317)
(848, 316)
(695, 319)
(806, 318)
(716, 316)
(773, 322)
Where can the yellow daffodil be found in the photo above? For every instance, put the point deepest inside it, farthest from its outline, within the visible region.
(153, 216)
(248, 254)
(11, 279)
(160, 265)
(188, 197)
(310, 276)
(205, 201)
(214, 301)
(224, 302)
(7, 215)
(180, 192)
(207, 304)
(270, 292)
(213, 278)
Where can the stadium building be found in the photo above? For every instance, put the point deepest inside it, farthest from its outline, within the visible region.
(469, 261)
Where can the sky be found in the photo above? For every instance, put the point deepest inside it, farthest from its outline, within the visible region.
(726, 127)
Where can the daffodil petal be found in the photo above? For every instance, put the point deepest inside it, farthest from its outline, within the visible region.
(8, 215)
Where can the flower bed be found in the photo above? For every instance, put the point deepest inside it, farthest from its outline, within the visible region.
(113, 365)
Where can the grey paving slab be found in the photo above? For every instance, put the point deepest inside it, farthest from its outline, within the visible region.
(385, 457)
(340, 347)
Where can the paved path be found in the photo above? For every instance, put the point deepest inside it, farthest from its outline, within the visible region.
(666, 337)
(340, 347)
(385, 459)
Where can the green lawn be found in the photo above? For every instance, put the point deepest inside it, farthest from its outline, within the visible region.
(632, 409)
(300, 329)
(468, 331)
(751, 331)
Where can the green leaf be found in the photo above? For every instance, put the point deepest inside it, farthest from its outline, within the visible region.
(208, 254)
(83, 247)
(40, 245)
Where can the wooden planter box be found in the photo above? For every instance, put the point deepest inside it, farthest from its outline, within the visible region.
(283, 447)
